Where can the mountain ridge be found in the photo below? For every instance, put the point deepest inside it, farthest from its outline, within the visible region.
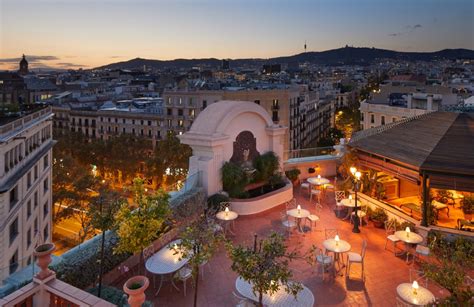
(340, 56)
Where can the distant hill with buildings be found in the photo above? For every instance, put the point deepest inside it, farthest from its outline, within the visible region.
(341, 56)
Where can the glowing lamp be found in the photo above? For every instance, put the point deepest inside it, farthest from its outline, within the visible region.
(407, 230)
(336, 238)
(415, 287)
(353, 170)
(350, 197)
(357, 175)
(175, 247)
(226, 211)
(319, 176)
(299, 209)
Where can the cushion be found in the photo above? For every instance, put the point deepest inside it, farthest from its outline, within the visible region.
(354, 257)
(313, 218)
(289, 223)
(393, 238)
(420, 249)
(184, 273)
(324, 259)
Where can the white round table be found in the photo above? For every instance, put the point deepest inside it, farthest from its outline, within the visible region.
(304, 298)
(423, 296)
(228, 218)
(318, 181)
(339, 248)
(298, 214)
(349, 202)
(165, 261)
(408, 238)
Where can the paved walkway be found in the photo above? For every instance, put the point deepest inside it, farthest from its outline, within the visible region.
(384, 271)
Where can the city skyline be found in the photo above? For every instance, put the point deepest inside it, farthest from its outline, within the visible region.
(73, 34)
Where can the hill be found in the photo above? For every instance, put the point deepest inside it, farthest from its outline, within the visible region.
(341, 56)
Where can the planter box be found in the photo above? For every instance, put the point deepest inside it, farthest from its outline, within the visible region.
(264, 202)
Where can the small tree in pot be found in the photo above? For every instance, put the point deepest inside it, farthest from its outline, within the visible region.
(293, 174)
(379, 216)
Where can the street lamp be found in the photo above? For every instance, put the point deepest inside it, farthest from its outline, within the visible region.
(356, 181)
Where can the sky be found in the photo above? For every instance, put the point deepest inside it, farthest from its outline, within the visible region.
(91, 33)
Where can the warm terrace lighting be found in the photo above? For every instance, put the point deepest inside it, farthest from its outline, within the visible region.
(319, 176)
(415, 287)
(407, 231)
(175, 247)
(226, 211)
(357, 175)
(353, 170)
(336, 238)
(299, 209)
(350, 197)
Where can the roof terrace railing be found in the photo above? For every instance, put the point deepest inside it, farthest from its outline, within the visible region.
(24, 121)
(309, 152)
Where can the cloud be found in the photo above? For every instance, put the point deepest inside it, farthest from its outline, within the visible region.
(31, 59)
(410, 29)
(70, 65)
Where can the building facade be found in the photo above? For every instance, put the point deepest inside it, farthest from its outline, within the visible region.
(25, 188)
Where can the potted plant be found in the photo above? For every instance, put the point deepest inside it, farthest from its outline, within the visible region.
(467, 205)
(135, 287)
(293, 174)
(379, 216)
(43, 253)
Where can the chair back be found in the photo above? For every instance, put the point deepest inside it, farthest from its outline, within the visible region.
(283, 216)
(291, 204)
(148, 252)
(223, 205)
(364, 248)
(319, 208)
(419, 276)
(330, 233)
(339, 195)
(390, 226)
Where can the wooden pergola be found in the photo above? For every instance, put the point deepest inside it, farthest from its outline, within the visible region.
(435, 149)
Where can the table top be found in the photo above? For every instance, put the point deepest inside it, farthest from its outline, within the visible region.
(341, 247)
(349, 202)
(227, 216)
(165, 261)
(412, 237)
(423, 296)
(318, 181)
(304, 298)
(301, 214)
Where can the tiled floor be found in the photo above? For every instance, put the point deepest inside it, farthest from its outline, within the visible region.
(384, 271)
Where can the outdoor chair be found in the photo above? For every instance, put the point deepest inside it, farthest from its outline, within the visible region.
(288, 224)
(291, 204)
(183, 275)
(304, 185)
(419, 276)
(240, 301)
(314, 218)
(324, 261)
(339, 195)
(316, 193)
(202, 267)
(361, 213)
(356, 258)
(423, 250)
(390, 228)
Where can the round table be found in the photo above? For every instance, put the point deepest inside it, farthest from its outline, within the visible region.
(408, 238)
(299, 214)
(349, 202)
(423, 296)
(341, 247)
(227, 217)
(165, 261)
(304, 298)
(318, 181)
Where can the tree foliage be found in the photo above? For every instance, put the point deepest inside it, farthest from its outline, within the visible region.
(265, 265)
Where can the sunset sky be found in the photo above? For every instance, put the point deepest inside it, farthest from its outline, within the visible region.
(90, 33)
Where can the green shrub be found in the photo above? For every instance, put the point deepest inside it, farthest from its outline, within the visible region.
(214, 201)
(293, 174)
(266, 165)
(111, 295)
(234, 179)
(467, 204)
(379, 215)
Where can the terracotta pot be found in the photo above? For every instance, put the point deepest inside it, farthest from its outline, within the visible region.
(378, 224)
(43, 254)
(136, 297)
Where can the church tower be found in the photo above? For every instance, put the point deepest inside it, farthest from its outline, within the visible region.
(23, 66)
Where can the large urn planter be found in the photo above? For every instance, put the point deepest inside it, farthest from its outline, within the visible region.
(135, 288)
(43, 254)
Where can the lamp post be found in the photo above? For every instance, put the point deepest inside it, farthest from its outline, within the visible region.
(356, 180)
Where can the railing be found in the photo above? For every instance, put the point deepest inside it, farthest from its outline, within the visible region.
(22, 121)
(192, 181)
(309, 152)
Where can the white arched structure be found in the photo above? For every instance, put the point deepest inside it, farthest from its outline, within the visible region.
(214, 131)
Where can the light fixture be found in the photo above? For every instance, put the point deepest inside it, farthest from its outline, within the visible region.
(357, 175)
(299, 209)
(226, 211)
(353, 170)
(407, 230)
(175, 247)
(350, 197)
(415, 287)
(336, 238)
(319, 176)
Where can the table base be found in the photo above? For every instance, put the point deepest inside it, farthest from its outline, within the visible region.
(161, 283)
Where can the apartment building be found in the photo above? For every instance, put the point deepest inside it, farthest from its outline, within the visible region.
(25, 187)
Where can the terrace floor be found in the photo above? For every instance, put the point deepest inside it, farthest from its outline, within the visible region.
(383, 271)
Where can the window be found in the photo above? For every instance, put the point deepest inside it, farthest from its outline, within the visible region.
(123, 130)
(116, 120)
(36, 199)
(36, 226)
(133, 121)
(45, 161)
(13, 197)
(382, 120)
(28, 237)
(14, 262)
(257, 101)
(204, 104)
(394, 119)
(372, 118)
(46, 232)
(275, 103)
(28, 209)
(180, 100)
(141, 122)
(123, 120)
(275, 116)
(13, 230)
(180, 112)
(45, 208)
(169, 112)
(362, 116)
(28, 262)
(149, 123)
(36, 172)
(45, 185)
(28, 180)
(169, 122)
(180, 123)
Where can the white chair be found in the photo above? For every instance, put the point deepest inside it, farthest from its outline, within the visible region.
(304, 185)
(291, 204)
(390, 228)
(356, 258)
(314, 218)
(339, 196)
(324, 261)
(361, 213)
(183, 275)
(202, 267)
(288, 224)
(317, 193)
(423, 250)
(240, 301)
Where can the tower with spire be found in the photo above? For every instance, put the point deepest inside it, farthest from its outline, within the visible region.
(23, 66)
